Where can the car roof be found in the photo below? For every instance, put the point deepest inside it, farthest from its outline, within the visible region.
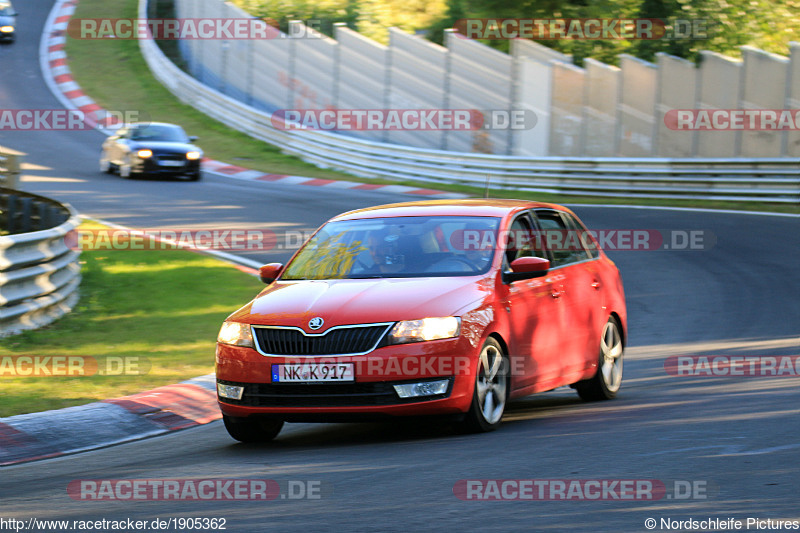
(479, 207)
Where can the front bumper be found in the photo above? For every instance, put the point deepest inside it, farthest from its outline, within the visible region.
(371, 393)
(163, 166)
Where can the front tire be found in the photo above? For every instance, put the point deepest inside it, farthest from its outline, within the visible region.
(125, 170)
(491, 389)
(606, 382)
(105, 164)
(252, 429)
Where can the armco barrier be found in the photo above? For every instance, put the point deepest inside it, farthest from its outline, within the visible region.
(39, 272)
(751, 179)
(9, 168)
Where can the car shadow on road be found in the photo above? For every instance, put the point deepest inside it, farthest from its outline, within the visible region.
(402, 430)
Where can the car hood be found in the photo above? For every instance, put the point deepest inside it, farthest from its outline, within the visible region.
(7, 21)
(162, 146)
(362, 301)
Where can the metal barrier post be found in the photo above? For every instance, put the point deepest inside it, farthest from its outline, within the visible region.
(9, 168)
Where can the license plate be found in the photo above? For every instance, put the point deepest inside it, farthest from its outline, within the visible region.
(313, 373)
(171, 163)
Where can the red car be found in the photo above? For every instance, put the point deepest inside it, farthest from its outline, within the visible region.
(424, 308)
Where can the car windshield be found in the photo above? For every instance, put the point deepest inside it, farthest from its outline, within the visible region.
(159, 132)
(6, 11)
(404, 247)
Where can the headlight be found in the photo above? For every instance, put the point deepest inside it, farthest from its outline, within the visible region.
(191, 156)
(427, 329)
(7, 29)
(144, 154)
(236, 334)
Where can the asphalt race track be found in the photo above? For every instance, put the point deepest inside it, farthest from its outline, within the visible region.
(736, 440)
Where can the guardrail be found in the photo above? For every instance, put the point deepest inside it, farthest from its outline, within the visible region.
(9, 168)
(753, 179)
(39, 272)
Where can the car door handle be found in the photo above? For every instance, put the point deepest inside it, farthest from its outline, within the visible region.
(596, 285)
(556, 293)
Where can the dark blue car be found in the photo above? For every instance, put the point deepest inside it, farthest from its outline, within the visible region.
(8, 21)
(153, 149)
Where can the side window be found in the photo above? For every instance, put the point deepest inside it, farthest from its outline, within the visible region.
(562, 240)
(582, 237)
(521, 241)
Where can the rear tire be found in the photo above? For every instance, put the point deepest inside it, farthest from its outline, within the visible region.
(252, 429)
(491, 389)
(606, 382)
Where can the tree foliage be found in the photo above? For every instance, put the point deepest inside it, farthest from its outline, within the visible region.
(767, 24)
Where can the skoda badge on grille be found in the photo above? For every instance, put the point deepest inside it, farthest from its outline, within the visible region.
(316, 323)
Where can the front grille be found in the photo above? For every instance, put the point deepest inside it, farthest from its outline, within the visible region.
(323, 394)
(336, 341)
(171, 157)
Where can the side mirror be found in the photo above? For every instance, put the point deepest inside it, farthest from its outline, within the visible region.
(270, 272)
(526, 268)
(192, 138)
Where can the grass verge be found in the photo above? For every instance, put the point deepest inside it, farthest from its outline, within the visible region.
(114, 73)
(162, 309)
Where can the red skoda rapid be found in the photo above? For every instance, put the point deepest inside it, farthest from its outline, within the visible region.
(424, 308)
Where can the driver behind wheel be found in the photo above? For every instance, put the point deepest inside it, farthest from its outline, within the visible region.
(384, 251)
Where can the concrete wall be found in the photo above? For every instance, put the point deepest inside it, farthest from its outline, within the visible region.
(595, 111)
(601, 94)
(637, 107)
(676, 88)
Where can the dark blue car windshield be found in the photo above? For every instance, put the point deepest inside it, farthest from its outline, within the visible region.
(160, 133)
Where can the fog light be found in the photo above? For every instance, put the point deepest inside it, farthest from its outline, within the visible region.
(425, 388)
(231, 392)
